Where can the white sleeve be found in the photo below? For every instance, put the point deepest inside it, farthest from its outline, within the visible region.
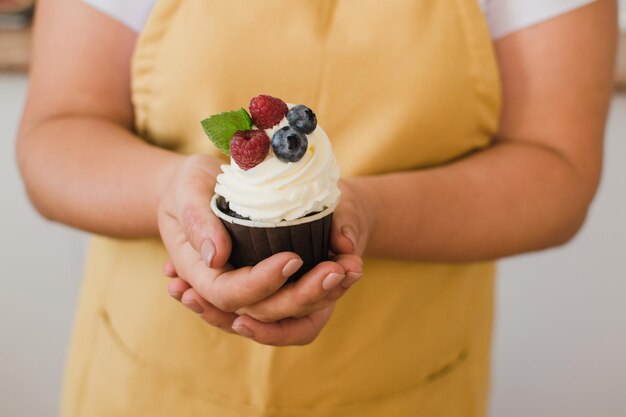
(132, 13)
(503, 16)
(507, 16)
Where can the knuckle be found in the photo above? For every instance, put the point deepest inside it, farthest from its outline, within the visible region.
(225, 305)
(260, 284)
(224, 296)
(193, 223)
(336, 294)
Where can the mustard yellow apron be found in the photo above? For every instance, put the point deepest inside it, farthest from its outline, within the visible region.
(398, 85)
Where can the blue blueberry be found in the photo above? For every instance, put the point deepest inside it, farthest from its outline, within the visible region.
(302, 118)
(289, 144)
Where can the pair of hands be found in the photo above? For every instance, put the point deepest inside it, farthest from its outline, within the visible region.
(253, 301)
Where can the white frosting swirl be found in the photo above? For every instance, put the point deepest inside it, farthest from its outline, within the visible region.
(275, 190)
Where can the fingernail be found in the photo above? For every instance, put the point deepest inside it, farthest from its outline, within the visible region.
(168, 270)
(175, 295)
(351, 278)
(291, 267)
(193, 306)
(207, 251)
(332, 280)
(243, 330)
(350, 234)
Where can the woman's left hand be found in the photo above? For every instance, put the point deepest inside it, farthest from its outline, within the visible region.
(294, 315)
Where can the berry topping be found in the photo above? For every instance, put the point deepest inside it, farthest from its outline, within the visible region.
(289, 144)
(249, 147)
(267, 111)
(302, 118)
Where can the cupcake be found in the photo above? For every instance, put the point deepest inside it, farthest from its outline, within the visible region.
(280, 189)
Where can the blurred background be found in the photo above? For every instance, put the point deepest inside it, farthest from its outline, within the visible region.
(560, 331)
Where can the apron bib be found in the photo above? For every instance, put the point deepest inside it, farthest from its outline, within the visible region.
(397, 85)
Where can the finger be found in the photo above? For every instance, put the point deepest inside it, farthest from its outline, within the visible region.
(176, 287)
(291, 331)
(353, 265)
(234, 289)
(226, 289)
(188, 262)
(209, 313)
(316, 290)
(298, 298)
(169, 270)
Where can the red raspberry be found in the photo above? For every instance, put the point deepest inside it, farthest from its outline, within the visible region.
(249, 147)
(267, 111)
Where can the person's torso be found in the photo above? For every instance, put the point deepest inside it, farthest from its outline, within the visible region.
(397, 85)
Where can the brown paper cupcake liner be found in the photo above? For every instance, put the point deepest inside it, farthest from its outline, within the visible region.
(253, 241)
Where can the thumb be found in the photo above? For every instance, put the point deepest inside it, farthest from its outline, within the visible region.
(205, 232)
(344, 234)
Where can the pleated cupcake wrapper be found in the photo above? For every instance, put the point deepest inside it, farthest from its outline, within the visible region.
(253, 241)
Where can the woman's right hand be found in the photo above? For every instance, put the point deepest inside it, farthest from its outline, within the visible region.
(199, 247)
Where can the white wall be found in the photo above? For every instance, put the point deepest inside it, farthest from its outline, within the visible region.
(561, 325)
(560, 345)
(41, 266)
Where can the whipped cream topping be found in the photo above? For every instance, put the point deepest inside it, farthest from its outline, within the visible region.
(275, 190)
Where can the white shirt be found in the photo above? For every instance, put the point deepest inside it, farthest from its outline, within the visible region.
(503, 16)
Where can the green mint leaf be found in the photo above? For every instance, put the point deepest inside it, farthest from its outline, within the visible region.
(221, 127)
